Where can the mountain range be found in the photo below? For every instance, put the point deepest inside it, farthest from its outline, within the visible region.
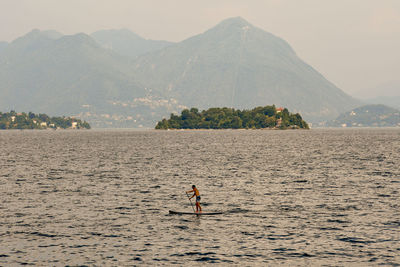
(115, 78)
(72, 75)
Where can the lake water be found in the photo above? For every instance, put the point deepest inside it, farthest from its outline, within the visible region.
(318, 197)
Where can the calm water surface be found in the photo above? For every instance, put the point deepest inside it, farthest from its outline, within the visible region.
(319, 197)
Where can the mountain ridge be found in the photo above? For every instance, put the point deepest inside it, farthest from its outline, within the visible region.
(127, 43)
(77, 57)
(233, 64)
(74, 76)
(237, 61)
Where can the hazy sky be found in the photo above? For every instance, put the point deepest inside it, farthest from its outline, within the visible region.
(353, 43)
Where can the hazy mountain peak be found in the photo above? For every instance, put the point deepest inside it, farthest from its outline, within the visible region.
(31, 41)
(37, 34)
(52, 34)
(126, 42)
(32, 35)
(78, 39)
(238, 32)
(33, 32)
(103, 35)
(235, 21)
(80, 36)
(236, 24)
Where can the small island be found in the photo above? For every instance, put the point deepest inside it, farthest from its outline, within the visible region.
(268, 117)
(14, 120)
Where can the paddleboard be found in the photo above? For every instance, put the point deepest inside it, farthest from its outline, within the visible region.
(194, 213)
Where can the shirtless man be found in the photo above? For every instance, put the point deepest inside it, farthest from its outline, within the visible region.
(197, 194)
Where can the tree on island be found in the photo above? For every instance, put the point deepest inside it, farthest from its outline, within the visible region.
(229, 118)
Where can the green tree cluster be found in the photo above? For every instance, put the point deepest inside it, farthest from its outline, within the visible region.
(229, 118)
(14, 120)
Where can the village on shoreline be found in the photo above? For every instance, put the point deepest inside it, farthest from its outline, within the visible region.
(24, 121)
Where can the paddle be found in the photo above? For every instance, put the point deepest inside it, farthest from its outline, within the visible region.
(190, 201)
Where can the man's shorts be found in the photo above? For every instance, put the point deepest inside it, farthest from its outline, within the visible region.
(198, 198)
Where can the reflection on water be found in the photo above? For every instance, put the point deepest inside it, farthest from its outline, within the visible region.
(292, 197)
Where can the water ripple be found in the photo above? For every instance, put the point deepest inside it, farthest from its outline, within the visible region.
(319, 197)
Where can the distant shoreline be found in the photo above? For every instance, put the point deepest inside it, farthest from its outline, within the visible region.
(149, 129)
(30, 121)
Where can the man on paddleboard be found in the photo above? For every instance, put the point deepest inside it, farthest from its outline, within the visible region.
(197, 194)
